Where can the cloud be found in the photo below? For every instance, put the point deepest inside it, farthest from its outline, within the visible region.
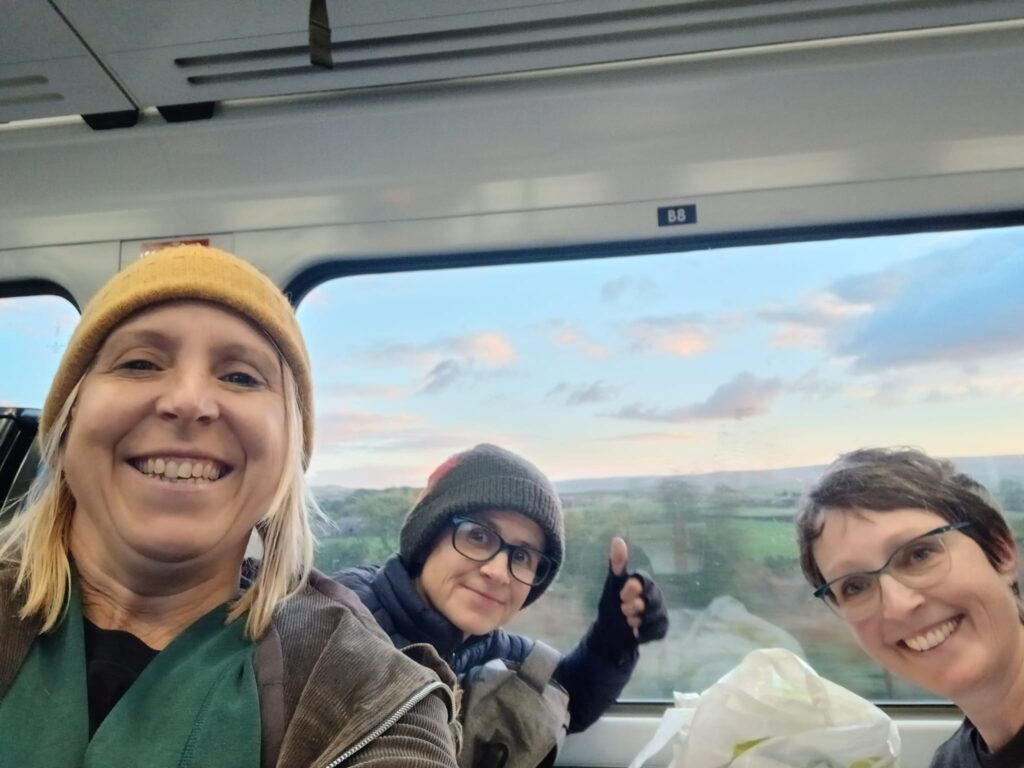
(629, 287)
(744, 397)
(674, 335)
(442, 376)
(488, 348)
(957, 316)
(402, 355)
(340, 434)
(811, 384)
(957, 304)
(583, 394)
(565, 337)
(897, 388)
(877, 393)
(822, 309)
(809, 323)
(651, 437)
(871, 288)
(387, 463)
(345, 427)
(382, 475)
(801, 337)
(365, 391)
(984, 386)
(563, 334)
(446, 362)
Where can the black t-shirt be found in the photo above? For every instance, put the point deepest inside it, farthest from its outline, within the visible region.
(113, 661)
(966, 749)
(1010, 756)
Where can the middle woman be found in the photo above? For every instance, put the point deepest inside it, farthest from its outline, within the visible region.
(484, 540)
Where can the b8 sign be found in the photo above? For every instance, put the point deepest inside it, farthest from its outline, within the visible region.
(673, 215)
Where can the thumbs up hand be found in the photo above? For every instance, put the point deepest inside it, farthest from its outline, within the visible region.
(631, 609)
(632, 594)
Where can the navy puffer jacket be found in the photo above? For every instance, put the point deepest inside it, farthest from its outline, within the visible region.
(592, 681)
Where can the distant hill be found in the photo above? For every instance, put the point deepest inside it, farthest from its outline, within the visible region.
(323, 492)
(988, 470)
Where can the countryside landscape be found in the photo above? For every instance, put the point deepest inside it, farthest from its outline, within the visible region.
(720, 545)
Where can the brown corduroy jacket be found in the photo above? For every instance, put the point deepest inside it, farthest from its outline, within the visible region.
(333, 690)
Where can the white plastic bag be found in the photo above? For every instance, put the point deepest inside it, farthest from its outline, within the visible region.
(774, 711)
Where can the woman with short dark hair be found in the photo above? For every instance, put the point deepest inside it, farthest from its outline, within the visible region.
(918, 560)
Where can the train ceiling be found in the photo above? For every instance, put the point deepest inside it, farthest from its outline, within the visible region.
(108, 59)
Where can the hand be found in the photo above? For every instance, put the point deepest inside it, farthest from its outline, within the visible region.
(632, 594)
(631, 609)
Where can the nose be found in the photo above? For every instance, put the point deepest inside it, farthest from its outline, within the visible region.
(496, 569)
(898, 600)
(190, 396)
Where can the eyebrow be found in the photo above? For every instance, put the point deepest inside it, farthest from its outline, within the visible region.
(893, 542)
(147, 336)
(497, 529)
(156, 338)
(247, 353)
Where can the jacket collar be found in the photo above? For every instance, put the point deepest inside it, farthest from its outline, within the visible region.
(336, 658)
(16, 635)
(414, 618)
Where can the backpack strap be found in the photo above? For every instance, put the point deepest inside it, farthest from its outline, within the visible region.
(539, 665)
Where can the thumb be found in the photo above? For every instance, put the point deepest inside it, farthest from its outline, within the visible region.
(618, 556)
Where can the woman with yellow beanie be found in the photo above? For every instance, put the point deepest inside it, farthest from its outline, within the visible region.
(133, 631)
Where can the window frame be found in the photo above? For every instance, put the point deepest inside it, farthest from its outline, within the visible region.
(309, 278)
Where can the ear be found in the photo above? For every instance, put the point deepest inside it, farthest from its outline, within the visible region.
(1008, 563)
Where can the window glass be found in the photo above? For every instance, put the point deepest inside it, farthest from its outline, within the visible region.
(34, 330)
(683, 401)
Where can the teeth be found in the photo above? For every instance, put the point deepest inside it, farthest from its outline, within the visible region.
(937, 636)
(180, 470)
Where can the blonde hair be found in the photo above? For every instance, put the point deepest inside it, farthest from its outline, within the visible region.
(37, 539)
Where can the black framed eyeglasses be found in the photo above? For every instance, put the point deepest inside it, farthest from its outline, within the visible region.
(481, 543)
(919, 563)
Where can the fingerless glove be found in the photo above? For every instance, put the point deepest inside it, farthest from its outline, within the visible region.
(611, 634)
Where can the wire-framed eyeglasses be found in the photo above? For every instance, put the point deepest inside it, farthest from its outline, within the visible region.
(478, 542)
(919, 563)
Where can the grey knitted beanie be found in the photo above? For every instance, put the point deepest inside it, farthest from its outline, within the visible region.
(482, 478)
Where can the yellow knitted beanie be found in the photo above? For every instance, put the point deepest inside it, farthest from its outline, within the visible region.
(185, 272)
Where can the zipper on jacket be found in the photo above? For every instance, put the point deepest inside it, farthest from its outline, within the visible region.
(397, 715)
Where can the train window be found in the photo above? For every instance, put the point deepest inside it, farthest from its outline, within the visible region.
(682, 400)
(34, 330)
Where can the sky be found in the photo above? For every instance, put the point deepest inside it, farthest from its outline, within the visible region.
(741, 358)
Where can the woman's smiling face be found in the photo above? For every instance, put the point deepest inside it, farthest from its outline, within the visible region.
(177, 439)
(956, 638)
(479, 597)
